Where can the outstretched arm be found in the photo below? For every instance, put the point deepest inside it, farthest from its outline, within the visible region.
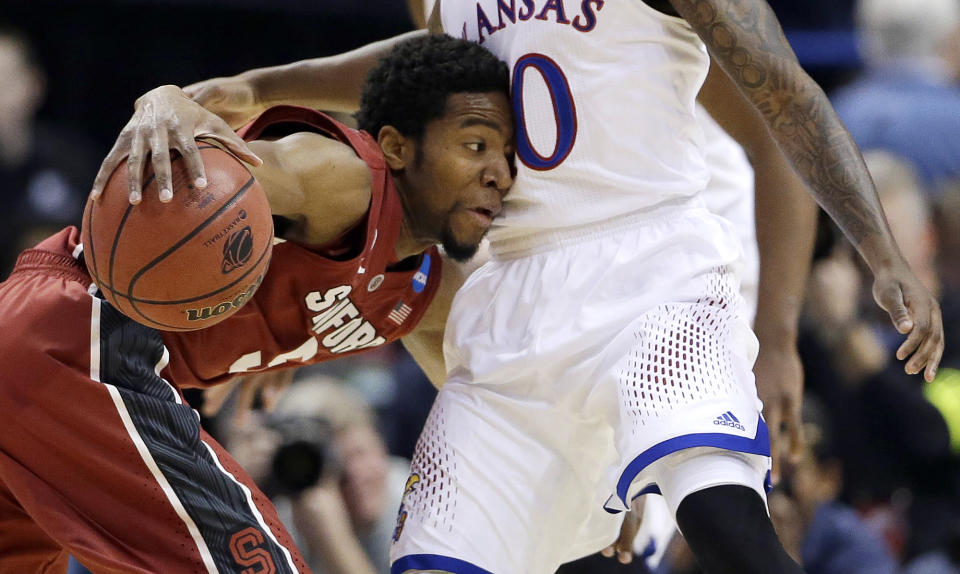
(416, 11)
(745, 38)
(317, 183)
(332, 83)
(167, 118)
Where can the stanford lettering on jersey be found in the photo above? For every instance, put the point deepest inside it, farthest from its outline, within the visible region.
(339, 318)
(584, 20)
(338, 322)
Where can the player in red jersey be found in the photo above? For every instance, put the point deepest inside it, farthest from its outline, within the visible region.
(99, 455)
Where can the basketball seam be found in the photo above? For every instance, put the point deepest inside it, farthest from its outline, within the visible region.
(116, 238)
(233, 199)
(132, 299)
(117, 295)
(231, 153)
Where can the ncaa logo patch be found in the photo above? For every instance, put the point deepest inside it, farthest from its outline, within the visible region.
(420, 277)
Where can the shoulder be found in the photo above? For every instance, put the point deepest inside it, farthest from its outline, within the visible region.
(324, 161)
(337, 170)
(327, 186)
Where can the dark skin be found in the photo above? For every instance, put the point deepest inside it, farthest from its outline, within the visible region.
(745, 39)
(466, 190)
(451, 182)
(785, 226)
(748, 43)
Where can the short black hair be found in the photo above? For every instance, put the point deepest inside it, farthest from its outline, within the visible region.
(409, 87)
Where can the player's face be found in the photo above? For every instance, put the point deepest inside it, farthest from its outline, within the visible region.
(462, 170)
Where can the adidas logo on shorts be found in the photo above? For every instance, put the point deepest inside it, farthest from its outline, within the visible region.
(728, 420)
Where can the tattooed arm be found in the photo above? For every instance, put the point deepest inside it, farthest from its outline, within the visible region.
(745, 39)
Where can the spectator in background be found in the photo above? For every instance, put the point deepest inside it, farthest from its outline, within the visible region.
(403, 417)
(950, 52)
(947, 220)
(344, 518)
(891, 439)
(945, 390)
(907, 101)
(826, 535)
(944, 560)
(44, 172)
(823, 534)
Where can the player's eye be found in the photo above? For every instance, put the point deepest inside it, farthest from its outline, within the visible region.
(477, 146)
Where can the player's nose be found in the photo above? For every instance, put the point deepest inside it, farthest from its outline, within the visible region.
(499, 175)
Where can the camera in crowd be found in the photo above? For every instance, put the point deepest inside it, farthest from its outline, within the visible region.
(302, 456)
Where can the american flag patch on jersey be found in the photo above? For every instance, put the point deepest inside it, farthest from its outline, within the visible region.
(400, 313)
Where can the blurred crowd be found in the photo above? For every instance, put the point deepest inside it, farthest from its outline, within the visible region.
(878, 488)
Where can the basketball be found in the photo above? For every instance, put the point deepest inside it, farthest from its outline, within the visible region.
(186, 264)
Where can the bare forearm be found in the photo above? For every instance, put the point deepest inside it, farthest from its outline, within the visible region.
(415, 8)
(786, 227)
(746, 40)
(332, 83)
(340, 553)
(322, 520)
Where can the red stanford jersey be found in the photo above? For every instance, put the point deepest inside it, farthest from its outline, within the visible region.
(311, 308)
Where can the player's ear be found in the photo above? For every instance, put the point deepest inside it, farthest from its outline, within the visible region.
(397, 148)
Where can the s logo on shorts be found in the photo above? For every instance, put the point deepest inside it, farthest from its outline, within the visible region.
(247, 547)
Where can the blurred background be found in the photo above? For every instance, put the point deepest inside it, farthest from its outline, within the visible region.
(879, 489)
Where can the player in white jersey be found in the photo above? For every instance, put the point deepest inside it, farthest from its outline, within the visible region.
(603, 190)
(730, 194)
(604, 348)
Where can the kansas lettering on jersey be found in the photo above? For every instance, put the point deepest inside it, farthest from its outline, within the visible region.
(309, 307)
(604, 99)
(584, 19)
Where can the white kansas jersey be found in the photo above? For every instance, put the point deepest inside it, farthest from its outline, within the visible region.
(604, 95)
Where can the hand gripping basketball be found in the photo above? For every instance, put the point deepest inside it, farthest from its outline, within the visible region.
(184, 264)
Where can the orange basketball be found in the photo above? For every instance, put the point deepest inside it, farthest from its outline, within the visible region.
(186, 264)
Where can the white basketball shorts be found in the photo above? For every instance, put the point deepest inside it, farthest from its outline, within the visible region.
(579, 378)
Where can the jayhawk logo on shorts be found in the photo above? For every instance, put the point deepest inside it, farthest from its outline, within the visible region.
(412, 481)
